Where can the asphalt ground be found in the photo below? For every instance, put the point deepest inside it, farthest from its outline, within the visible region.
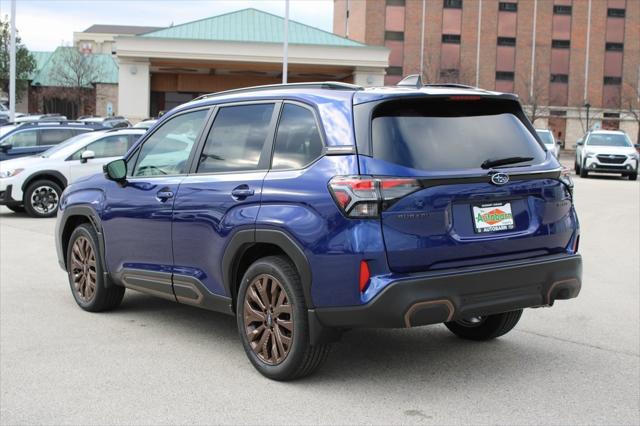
(156, 362)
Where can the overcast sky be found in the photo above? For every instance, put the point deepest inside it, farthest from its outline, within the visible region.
(46, 24)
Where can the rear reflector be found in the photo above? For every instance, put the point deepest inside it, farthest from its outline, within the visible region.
(364, 275)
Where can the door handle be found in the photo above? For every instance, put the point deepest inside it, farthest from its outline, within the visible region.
(164, 194)
(242, 191)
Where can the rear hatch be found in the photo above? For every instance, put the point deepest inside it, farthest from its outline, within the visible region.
(479, 186)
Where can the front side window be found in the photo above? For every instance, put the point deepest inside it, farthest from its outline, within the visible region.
(298, 140)
(167, 150)
(608, 140)
(111, 146)
(54, 136)
(24, 139)
(236, 139)
(452, 136)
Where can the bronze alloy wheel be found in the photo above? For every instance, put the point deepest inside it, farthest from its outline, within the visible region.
(268, 319)
(83, 269)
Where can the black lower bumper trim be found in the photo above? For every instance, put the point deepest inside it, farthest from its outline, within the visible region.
(6, 199)
(455, 294)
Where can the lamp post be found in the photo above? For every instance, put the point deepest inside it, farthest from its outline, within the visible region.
(587, 106)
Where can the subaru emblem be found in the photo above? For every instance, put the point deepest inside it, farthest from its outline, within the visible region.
(499, 178)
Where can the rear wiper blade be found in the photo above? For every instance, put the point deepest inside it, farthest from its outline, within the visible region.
(487, 164)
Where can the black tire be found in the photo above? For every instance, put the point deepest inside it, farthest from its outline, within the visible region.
(633, 176)
(583, 172)
(38, 190)
(576, 167)
(16, 209)
(103, 298)
(490, 327)
(302, 359)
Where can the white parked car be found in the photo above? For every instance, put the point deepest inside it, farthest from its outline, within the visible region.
(549, 141)
(606, 151)
(34, 184)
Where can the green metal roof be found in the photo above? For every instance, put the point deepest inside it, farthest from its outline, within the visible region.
(251, 25)
(48, 62)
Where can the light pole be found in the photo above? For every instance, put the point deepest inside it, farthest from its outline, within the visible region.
(12, 65)
(587, 106)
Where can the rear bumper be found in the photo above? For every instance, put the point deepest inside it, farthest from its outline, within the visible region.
(462, 293)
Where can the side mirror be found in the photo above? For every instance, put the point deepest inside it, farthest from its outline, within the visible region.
(580, 143)
(6, 148)
(87, 155)
(637, 146)
(116, 170)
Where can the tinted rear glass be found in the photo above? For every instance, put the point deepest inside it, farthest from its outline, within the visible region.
(447, 135)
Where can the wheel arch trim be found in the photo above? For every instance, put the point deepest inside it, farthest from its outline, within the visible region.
(242, 240)
(44, 173)
(89, 213)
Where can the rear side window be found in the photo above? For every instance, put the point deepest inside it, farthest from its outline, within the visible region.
(449, 135)
(54, 136)
(236, 139)
(298, 140)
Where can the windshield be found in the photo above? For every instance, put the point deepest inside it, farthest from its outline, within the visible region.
(464, 135)
(546, 136)
(603, 139)
(71, 141)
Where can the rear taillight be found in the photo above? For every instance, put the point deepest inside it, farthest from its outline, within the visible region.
(367, 196)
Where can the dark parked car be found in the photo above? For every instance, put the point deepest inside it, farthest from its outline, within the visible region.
(34, 138)
(305, 210)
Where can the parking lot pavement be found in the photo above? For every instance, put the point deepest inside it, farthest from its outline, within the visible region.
(155, 362)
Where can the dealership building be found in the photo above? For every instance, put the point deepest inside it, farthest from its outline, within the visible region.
(557, 55)
(161, 69)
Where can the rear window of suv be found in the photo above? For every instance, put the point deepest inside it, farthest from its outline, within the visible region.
(449, 135)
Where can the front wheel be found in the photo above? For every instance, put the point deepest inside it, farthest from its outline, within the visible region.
(576, 167)
(485, 327)
(85, 273)
(633, 176)
(583, 172)
(272, 321)
(41, 198)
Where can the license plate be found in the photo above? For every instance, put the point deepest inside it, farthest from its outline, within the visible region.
(493, 217)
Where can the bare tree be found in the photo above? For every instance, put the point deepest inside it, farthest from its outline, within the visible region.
(433, 74)
(631, 101)
(534, 97)
(74, 74)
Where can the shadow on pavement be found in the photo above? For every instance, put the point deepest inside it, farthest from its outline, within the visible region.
(395, 355)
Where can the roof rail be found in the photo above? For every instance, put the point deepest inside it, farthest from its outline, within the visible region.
(329, 85)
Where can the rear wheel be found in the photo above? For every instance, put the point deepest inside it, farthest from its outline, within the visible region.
(273, 323)
(42, 197)
(85, 273)
(485, 327)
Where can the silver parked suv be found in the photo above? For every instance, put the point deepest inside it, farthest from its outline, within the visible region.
(606, 151)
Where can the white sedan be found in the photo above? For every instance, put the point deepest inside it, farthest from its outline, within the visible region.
(34, 184)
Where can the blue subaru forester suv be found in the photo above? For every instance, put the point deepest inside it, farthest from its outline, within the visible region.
(309, 209)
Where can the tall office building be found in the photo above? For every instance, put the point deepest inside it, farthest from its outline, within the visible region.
(558, 55)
